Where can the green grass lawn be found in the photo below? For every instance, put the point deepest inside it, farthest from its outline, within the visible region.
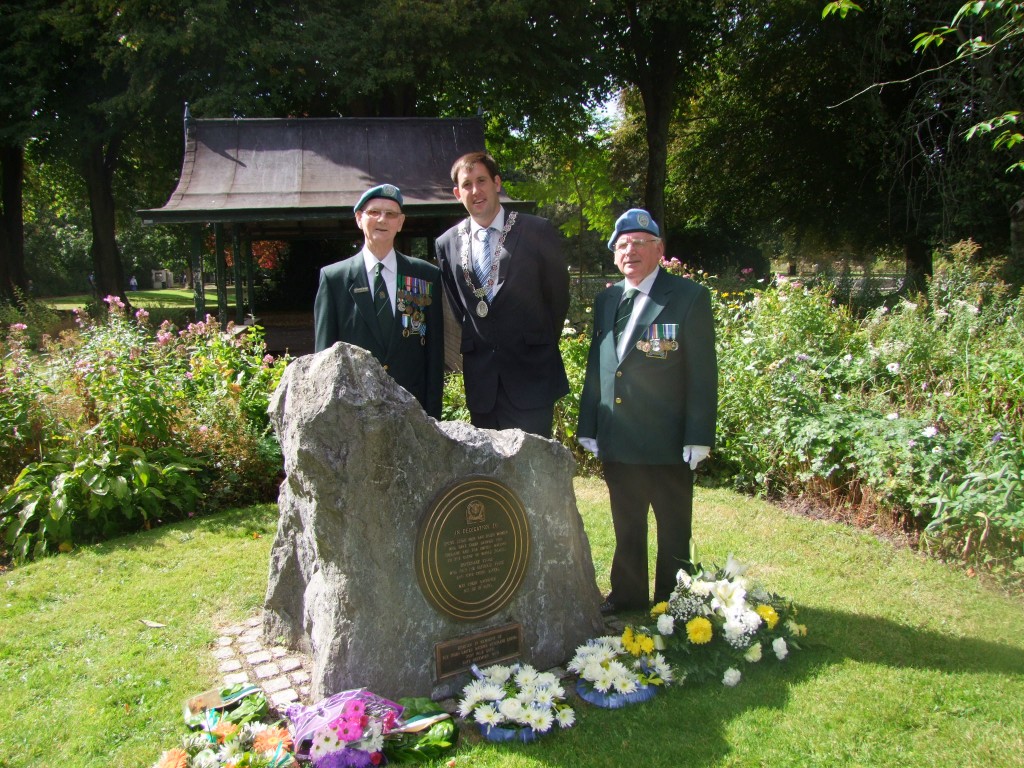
(169, 298)
(909, 662)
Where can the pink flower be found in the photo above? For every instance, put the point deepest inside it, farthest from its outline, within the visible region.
(19, 327)
(354, 708)
(350, 731)
(268, 359)
(141, 315)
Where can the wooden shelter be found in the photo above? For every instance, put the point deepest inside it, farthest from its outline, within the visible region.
(297, 180)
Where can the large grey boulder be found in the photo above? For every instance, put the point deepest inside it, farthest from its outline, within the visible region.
(363, 463)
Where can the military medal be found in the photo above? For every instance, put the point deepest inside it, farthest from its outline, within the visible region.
(659, 340)
(467, 272)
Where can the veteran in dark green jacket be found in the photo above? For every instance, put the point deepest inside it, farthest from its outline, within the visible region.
(649, 407)
(386, 302)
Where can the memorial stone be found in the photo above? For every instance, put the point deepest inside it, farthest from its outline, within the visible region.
(408, 548)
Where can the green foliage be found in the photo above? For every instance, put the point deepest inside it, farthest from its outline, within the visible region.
(574, 350)
(112, 428)
(83, 496)
(912, 413)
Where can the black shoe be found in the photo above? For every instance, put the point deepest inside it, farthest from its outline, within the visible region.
(608, 607)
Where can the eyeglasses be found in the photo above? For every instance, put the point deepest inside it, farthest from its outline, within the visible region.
(623, 245)
(374, 213)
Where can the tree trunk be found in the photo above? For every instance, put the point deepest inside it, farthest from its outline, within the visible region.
(12, 223)
(1017, 235)
(658, 113)
(918, 264)
(98, 171)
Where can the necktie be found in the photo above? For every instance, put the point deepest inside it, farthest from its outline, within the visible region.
(484, 264)
(381, 301)
(622, 313)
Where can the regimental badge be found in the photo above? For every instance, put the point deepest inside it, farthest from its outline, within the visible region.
(476, 513)
(659, 340)
(643, 220)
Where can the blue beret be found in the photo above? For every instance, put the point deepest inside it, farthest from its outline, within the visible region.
(633, 220)
(387, 191)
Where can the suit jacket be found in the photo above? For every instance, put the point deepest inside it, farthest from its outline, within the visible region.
(644, 409)
(516, 343)
(344, 311)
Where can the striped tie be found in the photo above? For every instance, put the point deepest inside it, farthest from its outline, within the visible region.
(381, 302)
(484, 263)
(622, 314)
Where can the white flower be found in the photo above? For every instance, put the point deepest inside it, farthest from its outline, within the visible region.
(511, 709)
(498, 674)
(732, 677)
(603, 679)
(491, 692)
(734, 568)
(893, 368)
(727, 596)
(753, 653)
(892, 416)
(702, 588)
(373, 739)
(929, 431)
(487, 715)
(661, 667)
(565, 717)
(780, 648)
(545, 697)
(734, 630)
(526, 676)
(626, 683)
(539, 719)
(683, 578)
(666, 624)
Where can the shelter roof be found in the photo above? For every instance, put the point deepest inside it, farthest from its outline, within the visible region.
(305, 169)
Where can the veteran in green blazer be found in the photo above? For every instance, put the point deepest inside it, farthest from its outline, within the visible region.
(649, 407)
(386, 302)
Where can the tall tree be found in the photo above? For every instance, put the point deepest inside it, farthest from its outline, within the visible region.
(25, 67)
(776, 142)
(658, 47)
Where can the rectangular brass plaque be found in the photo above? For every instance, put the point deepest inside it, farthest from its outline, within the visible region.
(452, 657)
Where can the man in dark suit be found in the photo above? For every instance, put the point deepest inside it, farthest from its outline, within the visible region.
(507, 284)
(397, 316)
(649, 407)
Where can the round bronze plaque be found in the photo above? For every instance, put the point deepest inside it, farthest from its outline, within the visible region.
(472, 548)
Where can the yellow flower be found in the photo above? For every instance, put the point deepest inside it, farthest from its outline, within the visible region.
(659, 609)
(766, 612)
(646, 644)
(698, 630)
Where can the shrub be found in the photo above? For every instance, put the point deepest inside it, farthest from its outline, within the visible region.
(115, 427)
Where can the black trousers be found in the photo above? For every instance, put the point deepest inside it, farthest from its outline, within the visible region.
(634, 489)
(504, 415)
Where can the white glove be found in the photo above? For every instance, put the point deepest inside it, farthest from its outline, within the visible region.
(589, 443)
(695, 454)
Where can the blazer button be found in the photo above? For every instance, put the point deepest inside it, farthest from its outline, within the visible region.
(385, 367)
(618, 374)
(618, 401)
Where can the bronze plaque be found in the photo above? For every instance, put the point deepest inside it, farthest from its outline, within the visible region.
(472, 548)
(455, 656)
